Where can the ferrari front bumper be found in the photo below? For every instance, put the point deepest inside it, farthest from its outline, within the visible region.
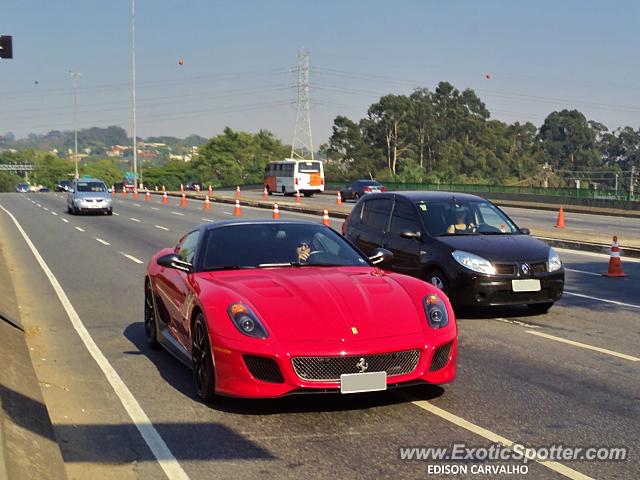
(268, 371)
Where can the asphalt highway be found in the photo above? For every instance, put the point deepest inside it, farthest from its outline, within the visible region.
(569, 377)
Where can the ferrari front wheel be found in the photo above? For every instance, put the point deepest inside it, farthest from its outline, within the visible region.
(203, 370)
(150, 324)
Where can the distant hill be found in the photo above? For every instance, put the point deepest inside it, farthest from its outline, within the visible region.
(96, 138)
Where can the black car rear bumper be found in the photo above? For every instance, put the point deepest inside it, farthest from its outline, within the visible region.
(473, 289)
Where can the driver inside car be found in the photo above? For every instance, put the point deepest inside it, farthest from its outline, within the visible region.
(460, 225)
(303, 251)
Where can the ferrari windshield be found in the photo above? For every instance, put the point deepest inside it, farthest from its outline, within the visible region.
(263, 245)
(455, 217)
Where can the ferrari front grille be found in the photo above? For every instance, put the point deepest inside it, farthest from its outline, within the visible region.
(440, 357)
(329, 369)
(263, 368)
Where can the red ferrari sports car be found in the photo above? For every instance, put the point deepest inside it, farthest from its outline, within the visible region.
(262, 308)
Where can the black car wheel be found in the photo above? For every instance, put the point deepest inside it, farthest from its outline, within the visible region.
(203, 370)
(437, 279)
(150, 324)
(69, 209)
(109, 212)
(308, 194)
(539, 308)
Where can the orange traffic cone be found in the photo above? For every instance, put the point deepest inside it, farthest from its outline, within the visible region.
(207, 204)
(615, 262)
(276, 212)
(147, 196)
(325, 218)
(298, 196)
(237, 212)
(165, 199)
(135, 194)
(339, 199)
(560, 221)
(238, 191)
(265, 193)
(183, 201)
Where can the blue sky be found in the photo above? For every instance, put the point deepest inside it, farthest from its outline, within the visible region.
(238, 59)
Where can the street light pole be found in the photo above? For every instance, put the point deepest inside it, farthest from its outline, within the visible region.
(133, 90)
(74, 76)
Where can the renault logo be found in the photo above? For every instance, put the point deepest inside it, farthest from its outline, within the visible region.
(525, 268)
(362, 365)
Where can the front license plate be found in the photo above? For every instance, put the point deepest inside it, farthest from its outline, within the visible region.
(363, 382)
(529, 285)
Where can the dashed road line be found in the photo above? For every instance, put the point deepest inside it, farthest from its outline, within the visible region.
(79, 229)
(155, 208)
(178, 213)
(115, 213)
(582, 271)
(65, 220)
(134, 219)
(46, 209)
(207, 220)
(614, 302)
(516, 322)
(585, 346)
(102, 241)
(38, 205)
(162, 228)
(54, 213)
(136, 204)
(131, 257)
(494, 437)
(227, 213)
(167, 461)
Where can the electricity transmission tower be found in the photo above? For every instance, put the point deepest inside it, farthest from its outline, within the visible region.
(302, 144)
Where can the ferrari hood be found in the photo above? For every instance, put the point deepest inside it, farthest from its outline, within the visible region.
(316, 303)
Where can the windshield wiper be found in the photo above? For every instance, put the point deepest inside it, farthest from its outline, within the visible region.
(228, 267)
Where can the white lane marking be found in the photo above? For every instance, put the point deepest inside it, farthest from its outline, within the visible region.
(207, 220)
(614, 302)
(586, 346)
(38, 205)
(136, 204)
(582, 271)
(162, 228)
(597, 255)
(102, 241)
(155, 208)
(79, 229)
(494, 437)
(156, 444)
(116, 213)
(54, 213)
(46, 209)
(516, 322)
(134, 219)
(178, 213)
(65, 220)
(227, 213)
(131, 257)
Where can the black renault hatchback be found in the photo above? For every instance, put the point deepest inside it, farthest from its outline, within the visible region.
(461, 243)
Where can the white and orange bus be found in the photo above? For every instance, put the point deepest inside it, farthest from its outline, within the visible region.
(289, 176)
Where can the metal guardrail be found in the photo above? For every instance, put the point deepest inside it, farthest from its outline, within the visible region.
(553, 192)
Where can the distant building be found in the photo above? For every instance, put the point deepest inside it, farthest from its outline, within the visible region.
(117, 151)
(186, 157)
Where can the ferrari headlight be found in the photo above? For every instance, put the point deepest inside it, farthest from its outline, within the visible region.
(553, 263)
(435, 310)
(246, 321)
(473, 262)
